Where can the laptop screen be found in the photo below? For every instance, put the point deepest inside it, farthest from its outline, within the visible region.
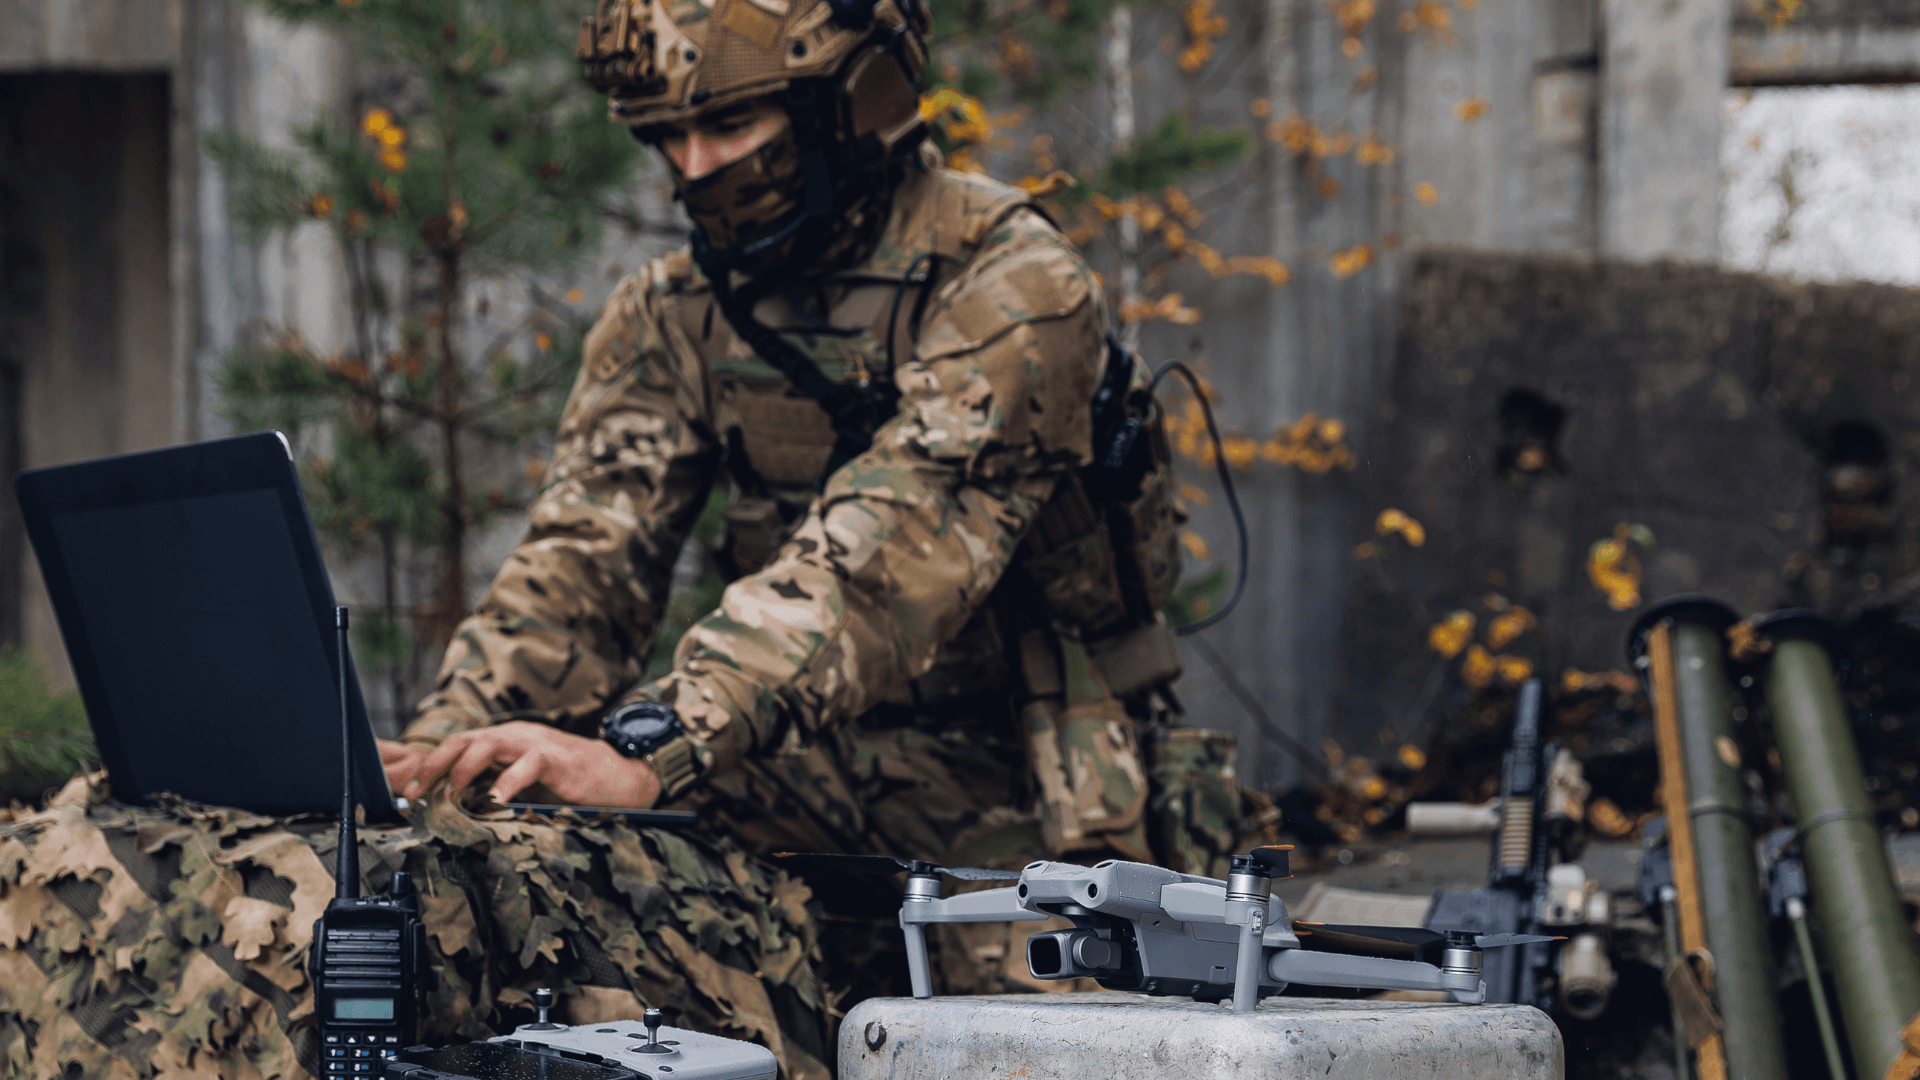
(199, 619)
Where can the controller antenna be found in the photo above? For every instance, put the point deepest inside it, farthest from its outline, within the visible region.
(346, 874)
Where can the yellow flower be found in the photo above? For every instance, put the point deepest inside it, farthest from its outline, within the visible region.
(376, 121)
(1347, 263)
(1354, 15)
(1509, 625)
(1514, 670)
(392, 136)
(543, 341)
(1202, 27)
(574, 296)
(1373, 152)
(320, 206)
(1607, 819)
(1195, 544)
(1451, 634)
(1574, 681)
(1393, 521)
(457, 214)
(932, 105)
(1055, 181)
(393, 160)
(1240, 451)
(1478, 669)
(1613, 569)
(1470, 108)
(1413, 757)
(1424, 192)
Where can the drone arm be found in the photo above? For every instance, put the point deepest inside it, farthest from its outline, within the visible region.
(1372, 972)
(989, 905)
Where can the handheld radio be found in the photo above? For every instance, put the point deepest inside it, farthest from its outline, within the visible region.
(369, 952)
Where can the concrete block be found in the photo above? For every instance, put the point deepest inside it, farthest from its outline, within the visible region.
(1110, 1036)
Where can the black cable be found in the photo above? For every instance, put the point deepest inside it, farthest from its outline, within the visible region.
(1300, 751)
(893, 317)
(1226, 484)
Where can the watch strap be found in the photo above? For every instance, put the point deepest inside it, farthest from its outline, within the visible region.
(677, 765)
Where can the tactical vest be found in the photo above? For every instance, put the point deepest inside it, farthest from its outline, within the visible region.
(1087, 585)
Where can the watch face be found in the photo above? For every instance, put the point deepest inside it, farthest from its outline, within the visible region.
(642, 726)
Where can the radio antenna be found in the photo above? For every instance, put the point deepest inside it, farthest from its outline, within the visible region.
(346, 872)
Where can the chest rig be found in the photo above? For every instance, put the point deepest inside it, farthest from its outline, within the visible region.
(1072, 640)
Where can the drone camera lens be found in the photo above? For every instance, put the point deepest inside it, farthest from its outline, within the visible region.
(1043, 957)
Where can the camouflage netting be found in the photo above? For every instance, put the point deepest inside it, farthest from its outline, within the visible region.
(174, 941)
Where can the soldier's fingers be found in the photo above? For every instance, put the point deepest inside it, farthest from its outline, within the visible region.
(480, 753)
(445, 755)
(518, 775)
(402, 767)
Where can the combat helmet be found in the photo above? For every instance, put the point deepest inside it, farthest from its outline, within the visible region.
(846, 72)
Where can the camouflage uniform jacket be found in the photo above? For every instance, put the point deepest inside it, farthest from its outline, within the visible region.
(912, 660)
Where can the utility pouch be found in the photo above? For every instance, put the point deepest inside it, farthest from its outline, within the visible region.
(1072, 563)
(1138, 659)
(1146, 527)
(1084, 751)
(1194, 799)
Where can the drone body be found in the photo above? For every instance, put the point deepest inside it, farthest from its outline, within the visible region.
(1150, 930)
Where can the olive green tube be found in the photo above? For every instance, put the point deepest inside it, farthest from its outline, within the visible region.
(1730, 897)
(1855, 906)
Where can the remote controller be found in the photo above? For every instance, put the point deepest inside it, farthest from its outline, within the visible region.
(615, 1050)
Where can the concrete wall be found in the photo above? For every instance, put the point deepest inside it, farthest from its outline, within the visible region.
(1736, 416)
(1831, 41)
(124, 279)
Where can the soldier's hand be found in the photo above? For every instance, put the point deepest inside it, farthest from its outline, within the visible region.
(403, 764)
(578, 770)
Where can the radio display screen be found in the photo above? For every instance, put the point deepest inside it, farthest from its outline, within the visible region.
(363, 1008)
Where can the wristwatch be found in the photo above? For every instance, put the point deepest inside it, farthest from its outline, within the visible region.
(651, 731)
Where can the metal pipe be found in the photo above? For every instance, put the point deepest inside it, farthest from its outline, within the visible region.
(1725, 877)
(1855, 906)
(1816, 986)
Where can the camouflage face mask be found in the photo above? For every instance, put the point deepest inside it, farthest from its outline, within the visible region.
(748, 201)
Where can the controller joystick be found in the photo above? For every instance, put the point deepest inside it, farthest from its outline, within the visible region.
(542, 1001)
(653, 1044)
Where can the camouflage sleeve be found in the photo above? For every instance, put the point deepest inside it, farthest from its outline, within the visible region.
(910, 537)
(567, 624)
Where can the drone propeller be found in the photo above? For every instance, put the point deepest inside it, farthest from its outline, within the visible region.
(884, 865)
(1404, 942)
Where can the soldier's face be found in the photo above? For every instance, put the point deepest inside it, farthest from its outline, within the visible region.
(712, 141)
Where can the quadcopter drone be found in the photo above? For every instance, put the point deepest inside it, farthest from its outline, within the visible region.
(1150, 930)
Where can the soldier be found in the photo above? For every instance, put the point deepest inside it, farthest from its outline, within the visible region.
(951, 525)
(942, 638)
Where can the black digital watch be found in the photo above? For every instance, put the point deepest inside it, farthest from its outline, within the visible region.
(638, 728)
(651, 731)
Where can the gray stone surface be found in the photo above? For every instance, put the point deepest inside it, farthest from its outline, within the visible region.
(1128, 1037)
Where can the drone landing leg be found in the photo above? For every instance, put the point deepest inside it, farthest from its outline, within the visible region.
(917, 959)
(1246, 973)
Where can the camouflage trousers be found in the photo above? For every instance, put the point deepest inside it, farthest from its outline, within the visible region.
(174, 941)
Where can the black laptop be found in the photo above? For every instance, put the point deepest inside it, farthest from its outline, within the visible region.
(198, 617)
